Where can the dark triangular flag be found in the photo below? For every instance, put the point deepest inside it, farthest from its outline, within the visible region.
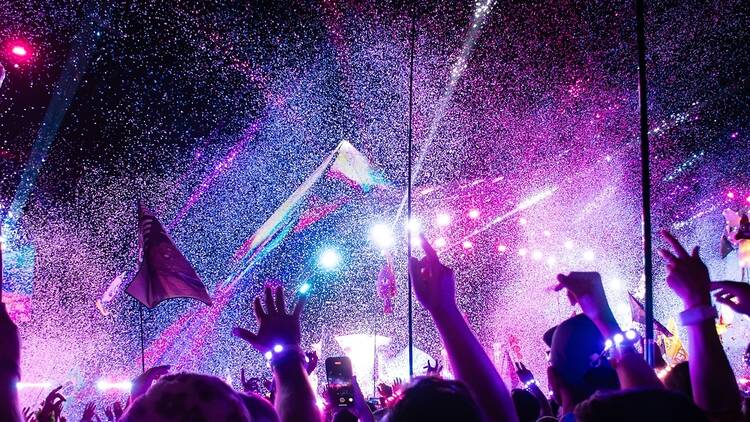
(164, 273)
(638, 313)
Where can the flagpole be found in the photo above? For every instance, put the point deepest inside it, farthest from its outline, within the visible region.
(645, 181)
(143, 349)
(408, 191)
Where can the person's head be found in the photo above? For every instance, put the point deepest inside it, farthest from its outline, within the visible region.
(639, 405)
(191, 397)
(574, 348)
(435, 399)
(526, 405)
(678, 379)
(259, 407)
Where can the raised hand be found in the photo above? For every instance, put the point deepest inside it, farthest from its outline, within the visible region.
(434, 283)
(433, 370)
(252, 385)
(10, 345)
(524, 375)
(384, 390)
(733, 294)
(51, 406)
(275, 325)
(687, 275)
(89, 412)
(312, 361)
(585, 289)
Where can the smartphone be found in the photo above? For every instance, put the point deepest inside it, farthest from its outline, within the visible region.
(339, 375)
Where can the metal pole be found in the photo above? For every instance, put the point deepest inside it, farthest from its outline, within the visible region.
(143, 349)
(645, 181)
(408, 189)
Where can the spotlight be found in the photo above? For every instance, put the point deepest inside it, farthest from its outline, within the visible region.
(522, 221)
(748, 198)
(616, 283)
(381, 235)
(19, 50)
(413, 225)
(278, 348)
(268, 355)
(303, 289)
(547, 233)
(329, 259)
(588, 255)
(536, 255)
(630, 335)
(502, 248)
(416, 241)
(730, 195)
(551, 261)
(103, 385)
(43, 385)
(443, 219)
(467, 244)
(474, 214)
(523, 252)
(440, 242)
(568, 244)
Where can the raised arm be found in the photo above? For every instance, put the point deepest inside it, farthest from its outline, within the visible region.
(279, 334)
(585, 288)
(714, 385)
(10, 353)
(435, 288)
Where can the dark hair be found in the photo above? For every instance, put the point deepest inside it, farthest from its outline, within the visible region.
(527, 407)
(639, 405)
(435, 399)
(678, 379)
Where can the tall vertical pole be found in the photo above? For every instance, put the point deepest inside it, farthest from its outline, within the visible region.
(408, 188)
(143, 349)
(645, 181)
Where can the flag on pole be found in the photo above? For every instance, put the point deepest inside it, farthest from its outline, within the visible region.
(164, 273)
(638, 313)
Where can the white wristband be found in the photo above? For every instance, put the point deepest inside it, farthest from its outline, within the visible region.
(698, 314)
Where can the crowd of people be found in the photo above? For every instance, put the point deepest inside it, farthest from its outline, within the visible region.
(596, 371)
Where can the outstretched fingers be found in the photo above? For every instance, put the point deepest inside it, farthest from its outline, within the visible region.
(280, 305)
(299, 306)
(270, 307)
(246, 335)
(678, 248)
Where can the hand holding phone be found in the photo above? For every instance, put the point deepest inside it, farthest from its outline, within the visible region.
(339, 375)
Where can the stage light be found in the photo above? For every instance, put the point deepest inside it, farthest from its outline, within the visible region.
(329, 259)
(616, 283)
(416, 241)
(502, 248)
(551, 261)
(440, 242)
(467, 244)
(43, 385)
(278, 348)
(588, 255)
(536, 255)
(568, 244)
(443, 219)
(413, 225)
(19, 50)
(268, 355)
(104, 385)
(730, 195)
(547, 233)
(523, 252)
(618, 338)
(522, 221)
(381, 235)
(303, 289)
(748, 198)
(630, 335)
(474, 214)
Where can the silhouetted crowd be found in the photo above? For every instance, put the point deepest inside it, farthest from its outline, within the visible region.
(596, 371)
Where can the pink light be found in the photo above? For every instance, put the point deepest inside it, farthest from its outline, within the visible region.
(730, 195)
(522, 221)
(467, 244)
(547, 233)
(19, 50)
(748, 198)
(536, 255)
(440, 242)
(474, 214)
(502, 248)
(443, 219)
(523, 251)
